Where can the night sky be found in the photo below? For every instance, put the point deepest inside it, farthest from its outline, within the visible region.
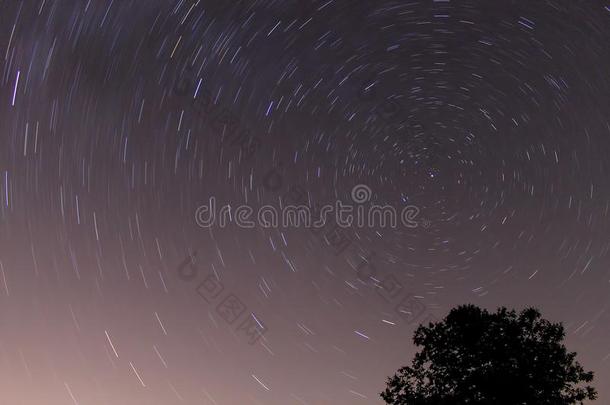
(118, 119)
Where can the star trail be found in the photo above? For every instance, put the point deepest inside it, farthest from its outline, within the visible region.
(467, 141)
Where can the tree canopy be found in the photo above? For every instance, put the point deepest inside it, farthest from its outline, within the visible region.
(477, 357)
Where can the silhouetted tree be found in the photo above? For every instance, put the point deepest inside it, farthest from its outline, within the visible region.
(477, 357)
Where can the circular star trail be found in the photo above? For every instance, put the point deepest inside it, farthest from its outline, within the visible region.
(486, 122)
